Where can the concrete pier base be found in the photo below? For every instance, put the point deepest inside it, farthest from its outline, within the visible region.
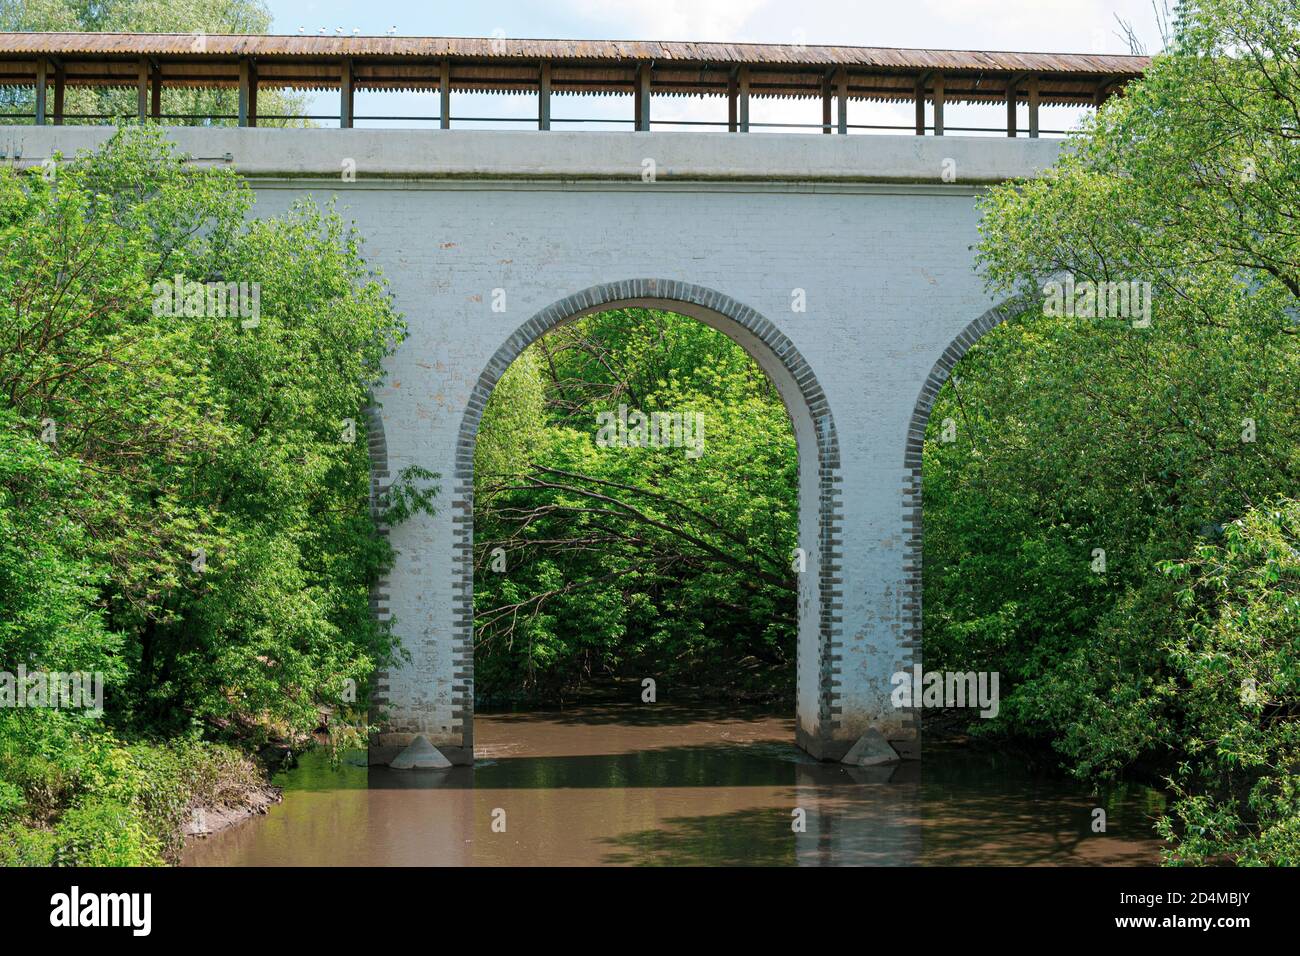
(872, 749)
(420, 755)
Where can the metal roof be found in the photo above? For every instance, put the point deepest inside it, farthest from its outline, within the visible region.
(578, 66)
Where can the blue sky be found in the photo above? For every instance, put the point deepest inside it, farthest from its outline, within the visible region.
(1086, 26)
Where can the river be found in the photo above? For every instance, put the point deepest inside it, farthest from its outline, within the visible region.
(674, 785)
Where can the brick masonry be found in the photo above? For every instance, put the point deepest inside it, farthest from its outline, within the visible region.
(379, 479)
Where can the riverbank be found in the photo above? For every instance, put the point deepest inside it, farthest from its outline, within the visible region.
(207, 820)
(97, 800)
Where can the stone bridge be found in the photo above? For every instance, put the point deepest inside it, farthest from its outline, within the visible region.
(842, 264)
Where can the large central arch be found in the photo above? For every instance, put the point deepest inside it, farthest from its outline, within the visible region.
(820, 602)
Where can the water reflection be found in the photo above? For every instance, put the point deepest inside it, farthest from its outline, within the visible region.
(682, 786)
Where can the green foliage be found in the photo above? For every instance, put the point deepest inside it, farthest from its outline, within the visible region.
(1153, 444)
(634, 561)
(78, 796)
(102, 833)
(48, 586)
(1236, 683)
(184, 498)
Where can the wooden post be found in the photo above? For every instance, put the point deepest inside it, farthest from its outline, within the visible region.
(58, 96)
(643, 97)
(252, 94)
(918, 95)
(544, 97)
(742, 99)
(826, 104)
(155, 94)
(1012, 85)
(1099, 94)
(244, 85)
(842, 95)
(142, 90)
(733, 93)
(444, 95)
(42, 68)
(938, 104)
(1033, 107)
(346, 96)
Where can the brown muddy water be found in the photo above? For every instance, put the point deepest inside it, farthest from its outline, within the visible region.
(664, 785)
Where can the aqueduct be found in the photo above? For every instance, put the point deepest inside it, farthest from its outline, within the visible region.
(843, 264)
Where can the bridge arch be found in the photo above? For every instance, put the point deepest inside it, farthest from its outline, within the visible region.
(820, 600)
(913, 517)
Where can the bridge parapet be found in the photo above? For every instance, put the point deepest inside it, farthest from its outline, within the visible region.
(353, 156)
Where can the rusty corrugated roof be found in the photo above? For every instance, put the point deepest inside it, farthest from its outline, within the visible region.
(757, 54)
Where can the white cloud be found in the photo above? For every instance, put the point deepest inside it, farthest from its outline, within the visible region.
(1038, 25)
(719, 20)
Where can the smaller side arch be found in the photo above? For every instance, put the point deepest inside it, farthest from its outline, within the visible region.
(913, 516)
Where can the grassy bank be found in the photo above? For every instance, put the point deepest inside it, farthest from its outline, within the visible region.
(86, 798)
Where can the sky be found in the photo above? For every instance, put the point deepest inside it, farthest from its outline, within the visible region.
(1058, 26)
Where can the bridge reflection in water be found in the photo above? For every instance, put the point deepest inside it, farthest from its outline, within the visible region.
(663, 785)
